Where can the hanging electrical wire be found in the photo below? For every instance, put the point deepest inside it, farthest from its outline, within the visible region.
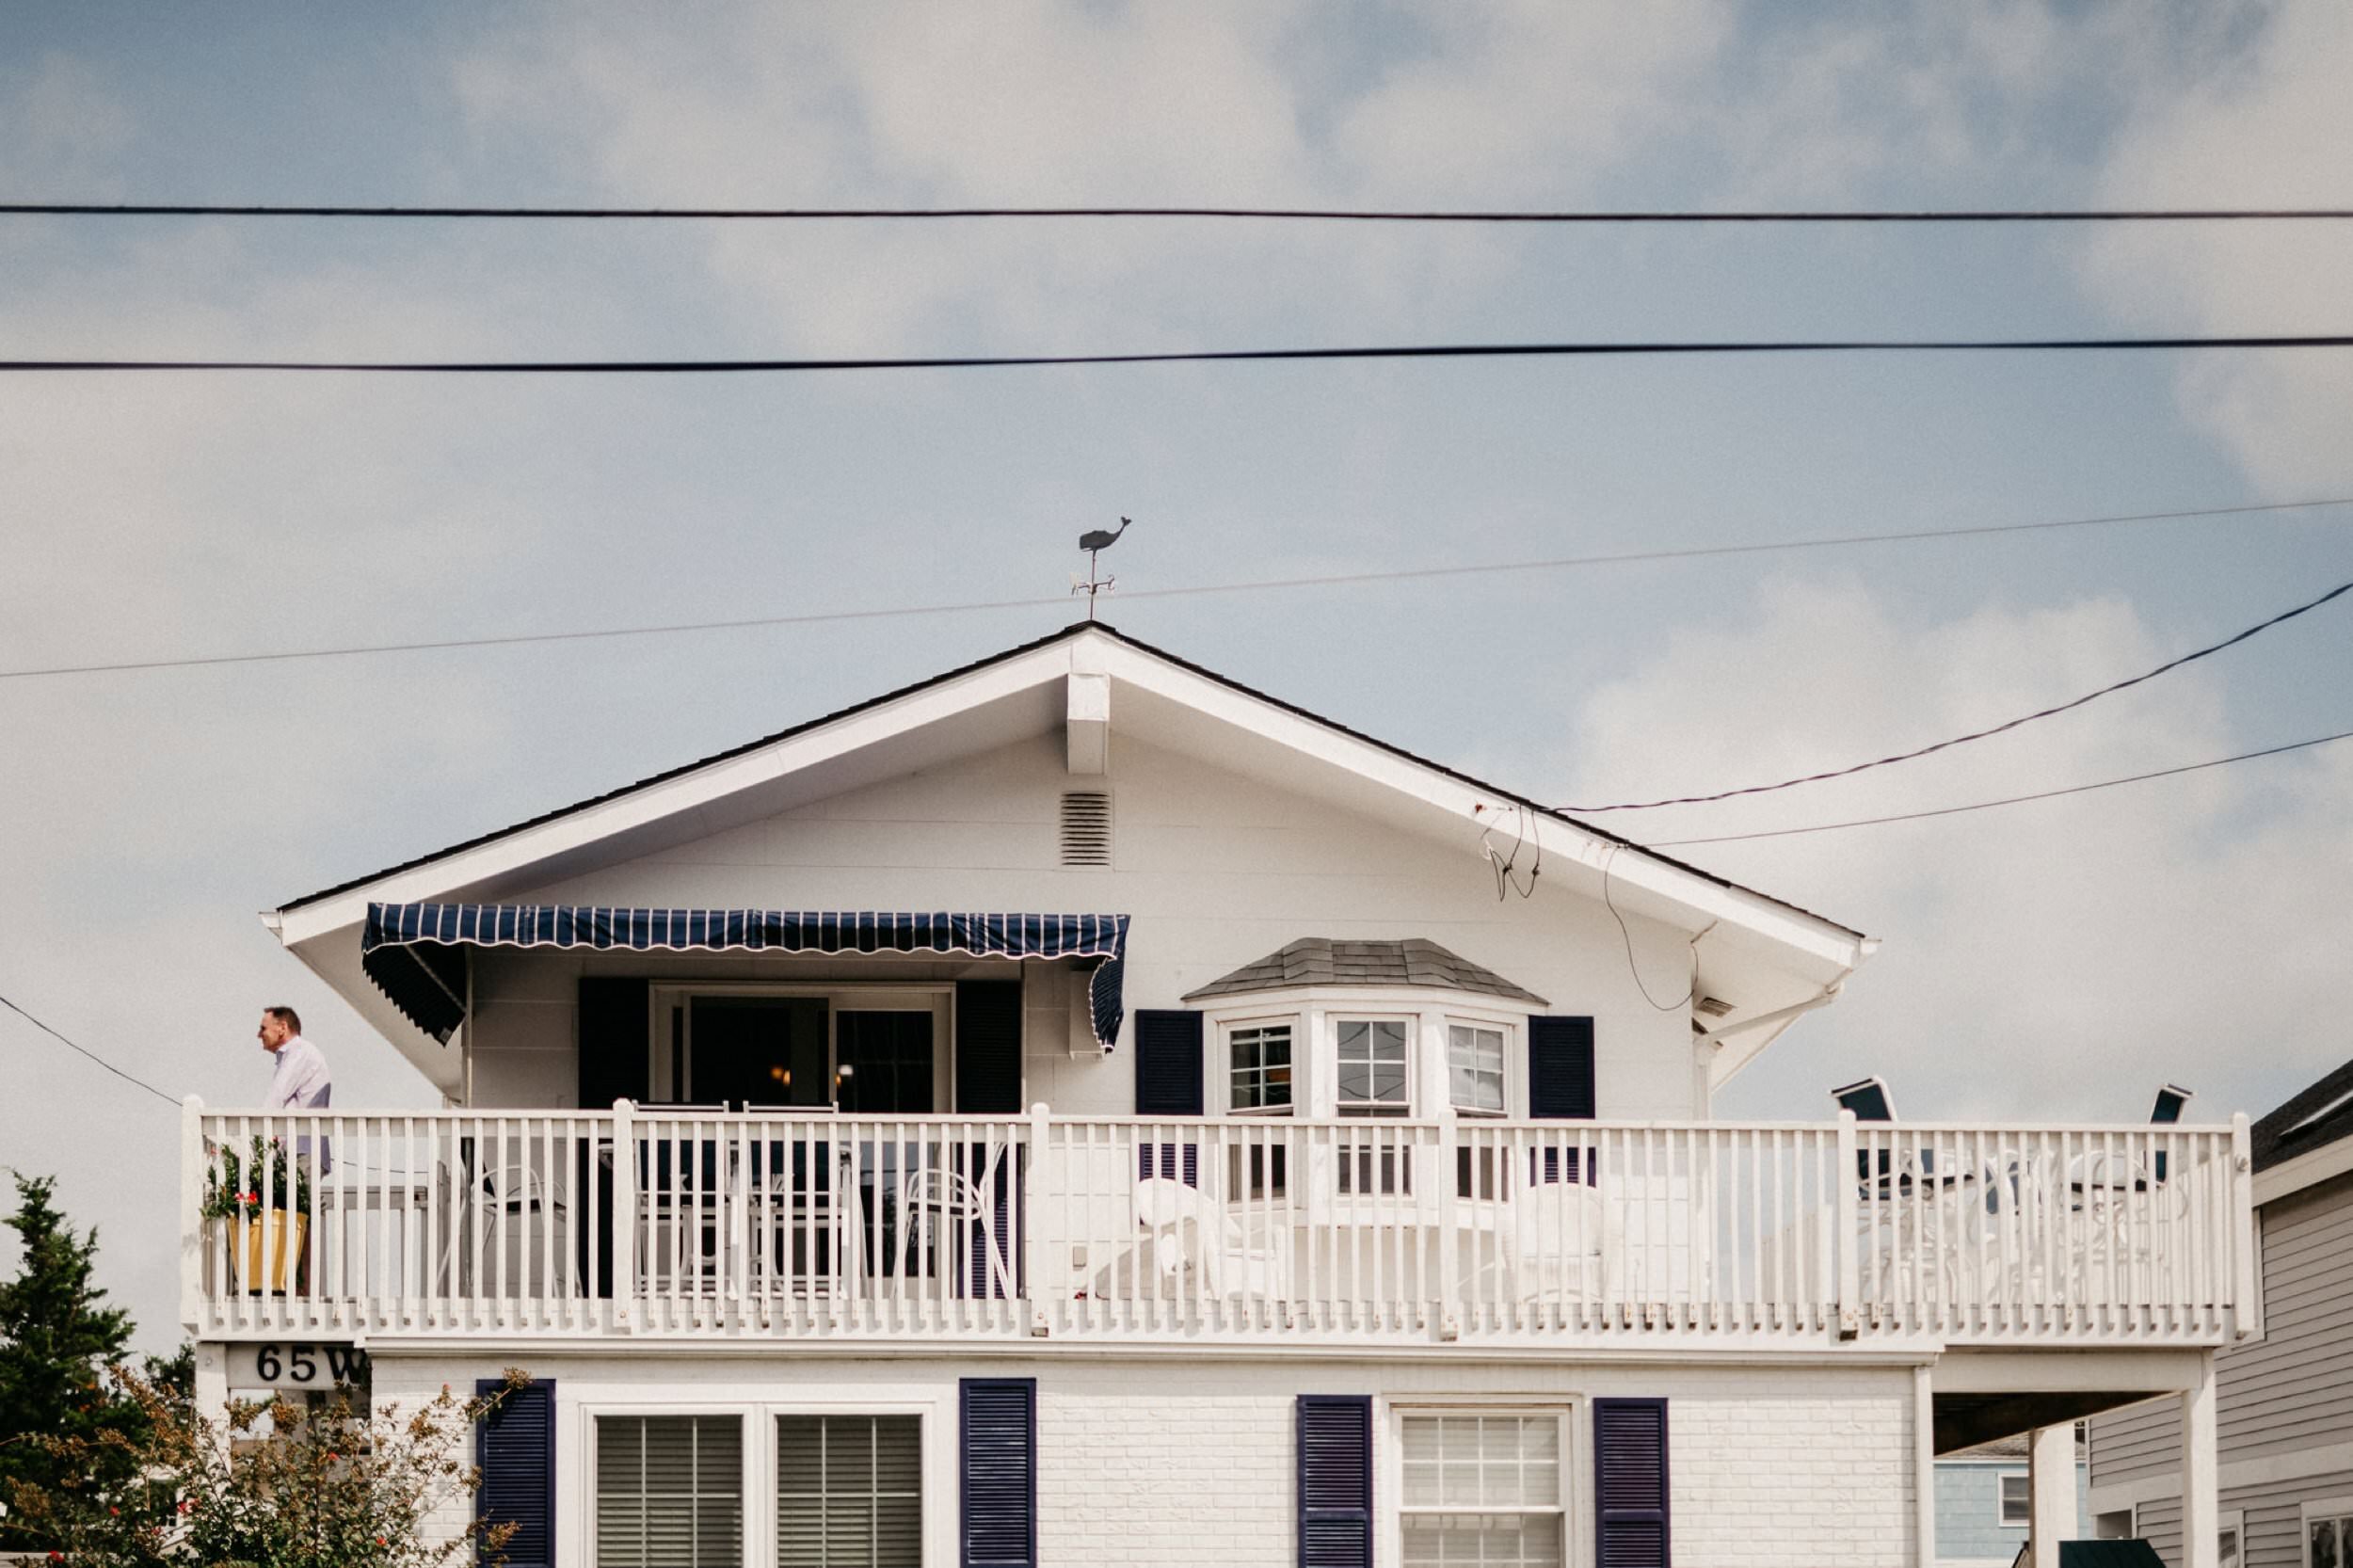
(2007, 800)
(127, 1078)
(1353, 578)
(2231, 641)
(1313, 215)
(1586, 349)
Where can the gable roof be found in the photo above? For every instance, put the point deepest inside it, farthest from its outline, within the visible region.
(1068, 632)
(1770, 958)
(1415, 961)
(2314, 1119)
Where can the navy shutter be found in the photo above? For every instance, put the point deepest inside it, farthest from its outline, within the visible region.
(1168, 1063)
(613, 1041)
(514, 1446)
(1559, 1086)
(1334, 1480)
(997, 1434)
(988, 1048)
(1631, 1484)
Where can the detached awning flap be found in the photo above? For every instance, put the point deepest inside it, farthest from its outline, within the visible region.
(415, 953)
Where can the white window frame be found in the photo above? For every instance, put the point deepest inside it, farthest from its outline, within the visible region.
(2001, 1499)
(2234, 1521)
(1576, 1502)
(2339, 1508)
(937, 1443)
(1226, 1030)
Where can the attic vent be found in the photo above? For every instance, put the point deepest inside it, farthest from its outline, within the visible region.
(1715, 1007)
(1086, 827)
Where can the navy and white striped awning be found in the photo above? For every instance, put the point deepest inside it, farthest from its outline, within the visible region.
(415, 953)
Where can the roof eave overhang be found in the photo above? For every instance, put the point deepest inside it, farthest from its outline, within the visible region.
(709, 797)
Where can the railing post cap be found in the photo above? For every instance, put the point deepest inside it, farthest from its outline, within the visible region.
(192, 1102)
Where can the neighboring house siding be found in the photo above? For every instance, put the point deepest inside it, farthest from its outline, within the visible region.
(1968, 1511)
(1217, 869)
(1185, 1463)
(2283, 1403)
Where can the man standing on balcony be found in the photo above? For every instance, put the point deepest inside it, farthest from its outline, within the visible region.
(298, 1079)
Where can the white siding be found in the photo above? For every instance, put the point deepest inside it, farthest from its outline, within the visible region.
(1183, 1462)
(1216, 868)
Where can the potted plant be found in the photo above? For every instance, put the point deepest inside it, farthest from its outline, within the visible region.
(263, 1197)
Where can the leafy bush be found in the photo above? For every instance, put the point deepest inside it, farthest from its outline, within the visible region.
(274, 1484)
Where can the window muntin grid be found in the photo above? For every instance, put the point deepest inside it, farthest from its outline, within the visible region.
(1482, 1488)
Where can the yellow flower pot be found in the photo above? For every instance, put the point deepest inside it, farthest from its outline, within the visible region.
(282, 1233)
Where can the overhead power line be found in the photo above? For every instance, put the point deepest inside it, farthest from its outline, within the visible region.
(2231, 641)
(1311, 215)
(1356, 579)
(1176, 356)
(127, 1078)
(2007, 800)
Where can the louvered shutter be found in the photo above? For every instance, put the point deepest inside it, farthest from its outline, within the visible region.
(514, 1446)
(1631, 1484)
(988, 1048)
(1168, 1063)
(1559, 1088)
(1334, 1480)
(997, 1434)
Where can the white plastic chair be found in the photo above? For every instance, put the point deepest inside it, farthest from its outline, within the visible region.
(1187, 1229)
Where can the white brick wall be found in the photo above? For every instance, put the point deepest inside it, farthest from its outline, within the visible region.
(1166, 1462)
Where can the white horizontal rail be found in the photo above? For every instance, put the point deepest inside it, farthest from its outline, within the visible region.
(674, 1221)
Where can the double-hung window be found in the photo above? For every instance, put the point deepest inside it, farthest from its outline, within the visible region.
(1371, 1070)
(1474, 1068)
(1258, 1079)
(849, 1492)
(1483, 1489)
(2017, 1499)
(669, 1491)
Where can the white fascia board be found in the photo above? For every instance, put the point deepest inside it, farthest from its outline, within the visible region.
(2305, 1170)
(1695, 900)
(693, 791)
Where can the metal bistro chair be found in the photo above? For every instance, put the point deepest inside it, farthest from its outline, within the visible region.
(2126, 1200)
(945, 1209)
(1918, 1220)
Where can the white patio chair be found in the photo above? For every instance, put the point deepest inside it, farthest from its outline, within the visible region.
(1189, 1230)
(935, 1202)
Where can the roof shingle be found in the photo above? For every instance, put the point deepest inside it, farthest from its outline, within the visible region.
(1415, 961)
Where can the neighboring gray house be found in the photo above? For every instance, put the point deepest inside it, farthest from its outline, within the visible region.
(2286, 1400)
(1982, 1504)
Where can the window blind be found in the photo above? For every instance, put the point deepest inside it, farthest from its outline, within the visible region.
(669, 1491)
(849, 1492)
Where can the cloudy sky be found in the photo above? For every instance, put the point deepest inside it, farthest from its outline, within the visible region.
(2044, 960)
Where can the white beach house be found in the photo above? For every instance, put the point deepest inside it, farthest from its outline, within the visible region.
(1081, 1110)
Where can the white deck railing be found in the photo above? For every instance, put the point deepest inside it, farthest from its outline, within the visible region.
(674, 1221)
